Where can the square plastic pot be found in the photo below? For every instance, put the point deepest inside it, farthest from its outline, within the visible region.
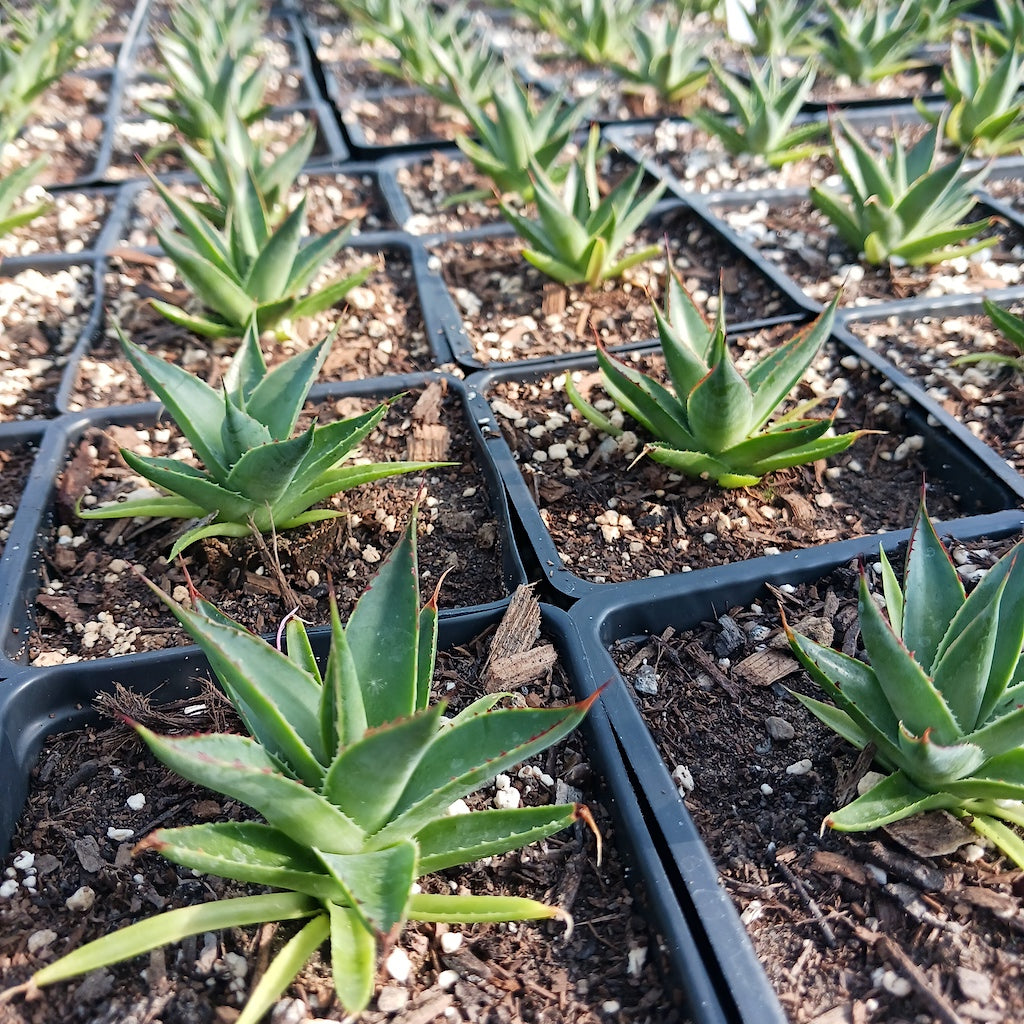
(20, 579)
(36, 705)
(646, 608)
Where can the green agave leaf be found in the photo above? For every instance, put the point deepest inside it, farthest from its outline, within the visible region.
(699, 465)
(194, 405)
(587, 411)
(892, 799)
(278, 396)
(333, 441)
(240, 768)
(750, 452)
(353, 958)
(269, 275)
(943, 245)
(838, 721)
(719, 409)
(208, 327)
(240, 432)
(999, 778)
(330, 295)
(837, 210)
(892, 592)
(283, 969)
(388, 608)
(379, 883)
(203, 531)
(427, 653)
(342, 714)
(463, 756)
(1004, 837)
(620, 266)
(932, 591)
(477, 909)
(1000, 734)
(189, 483)
(931, 765)
(173, 926)
(266, 473)
(910, 693)
(208, 244)
(314, 254)
(369, 775)
(246, 852)
(275, 698)
(556, 269)
(215, 288)
(464, 838)
(823, 448)
(246, 369)
(172, 506)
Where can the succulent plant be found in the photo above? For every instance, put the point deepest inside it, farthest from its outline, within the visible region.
(985, 113)
(1011, 327)
(714, 422)
(256, 475)
(665, 59)
(941, 696)
(762, 114)
(353, 771)
(519, 134)
(578, 236)
(908, 205)
(12, 188)
(241, 265)
(595, 30)
(781, 28)
(868, 42)
(1006, 29)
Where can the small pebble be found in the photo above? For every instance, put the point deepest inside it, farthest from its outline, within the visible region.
(446, 980)
(136, 801)
(451, 941)
(646, 680)
(119, 835)
(81, 900)
(8, 888)
(392, 998)
(799, 767)
(779, 729)
(24, 860)
(41, 939)
(398, 965)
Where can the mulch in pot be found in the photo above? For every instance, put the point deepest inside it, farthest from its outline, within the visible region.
(71, 224)
(402, 118)
(804, 245)
(608, 969)
(43, 313)
(512, 311)
(91, 603)
(849, 927)
(613, 520)
(15, 465)
(987, 398)
(382, 329)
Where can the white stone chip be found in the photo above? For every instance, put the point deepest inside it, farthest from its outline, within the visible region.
(119, 835)
(8, 888)
(451, 941)
(801, 767)
(41, 939)
(81, 899)
(398, 965)
(136, 801)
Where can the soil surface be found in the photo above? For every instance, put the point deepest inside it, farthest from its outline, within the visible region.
(401, 118)
(986, 397)
(851, 928)
(92, 603)
(511, 311)
(805, 247)
(613, 517)
(497, 974)
(15, 465)
(71, 223)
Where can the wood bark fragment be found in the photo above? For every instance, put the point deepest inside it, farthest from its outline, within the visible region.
(514, 660)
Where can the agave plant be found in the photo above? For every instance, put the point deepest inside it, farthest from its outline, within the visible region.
(595, 30)
(242, 265)
(518, 135)
(578, 236)
(762, 114)
(941, 699)
(257, 475)
(908, 205)
(869, 42)
(664, 59)
(781, 28)
(1006, 29)
(353, 771)
(12, 188)
(209, 65)
(714, 422)
(1011, 327)
(985, 114)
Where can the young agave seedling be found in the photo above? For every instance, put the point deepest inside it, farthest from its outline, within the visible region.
(714, 423)
(866, 43)
(1005, 30)
(519, 135)
(665, 59)
(762, 114)
(908, 205)
(578, 236)
(780, 28)
(12, 188)
(985, 114)
(595, 30)
(250, 268)
(942, 699)
(353, 771)
(1011, 327)
(256, 475)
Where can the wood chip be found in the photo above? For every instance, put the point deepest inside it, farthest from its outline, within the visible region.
(65, 608)
(802, 509)
(762, 668)
(514, 660)
(428, 442)
(936, 834)
(428, 406)
(827, 863)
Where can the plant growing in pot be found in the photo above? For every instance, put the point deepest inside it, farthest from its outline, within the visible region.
(354, 772)
(12, 187)
(257, 476)
(940, 701)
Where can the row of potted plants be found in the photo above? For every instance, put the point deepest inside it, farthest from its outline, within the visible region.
(586, 513)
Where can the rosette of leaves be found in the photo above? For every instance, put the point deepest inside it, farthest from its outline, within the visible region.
(353, 771)
(781, 28)
(578, 235)
(595, 30)
(985, 113)
(242, 265)
(869, 42)
(762, 113)
(713, 422)
(1005, 29)
(1011, 327)
(12, 187)
(518, 135)
(256, 475)
(209, 64)
(908, 205)
(663, 58)
(940, 697)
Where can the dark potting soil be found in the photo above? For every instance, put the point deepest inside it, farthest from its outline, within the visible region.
(613, 517)
(92, 603)
(608, 969)
(401, 119)
(15, 465)
(850, 928)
